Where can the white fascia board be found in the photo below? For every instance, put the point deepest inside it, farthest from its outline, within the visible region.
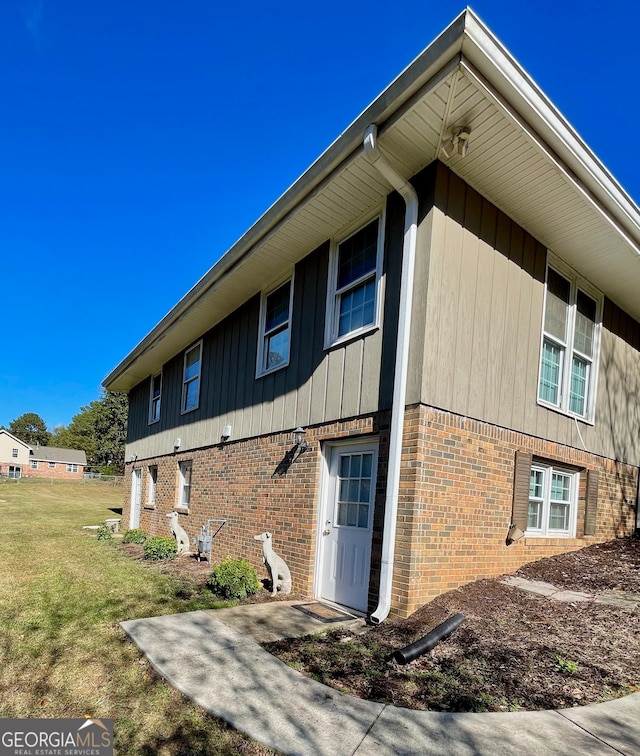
(503, 72)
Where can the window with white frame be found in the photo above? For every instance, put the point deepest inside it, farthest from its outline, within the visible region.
(184, 492)
(569, 353)
(15, 472)
(191, 378)
(33, 464)
(52, 465)
(354, 282)
(275, 329)
(14, 453)
(72, 467)
(153, 484)
(154, 398)
(553, 494)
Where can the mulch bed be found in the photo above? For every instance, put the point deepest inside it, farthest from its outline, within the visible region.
(514, 650)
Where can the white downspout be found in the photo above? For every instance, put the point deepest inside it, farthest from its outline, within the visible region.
(408, 193)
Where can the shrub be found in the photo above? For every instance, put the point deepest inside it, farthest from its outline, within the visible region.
(134, 535)
(104, 533)
(160, 547)
(234, 579)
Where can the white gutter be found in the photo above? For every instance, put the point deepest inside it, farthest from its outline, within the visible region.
(408, 194)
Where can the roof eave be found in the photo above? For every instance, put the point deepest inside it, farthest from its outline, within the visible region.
(468, 41)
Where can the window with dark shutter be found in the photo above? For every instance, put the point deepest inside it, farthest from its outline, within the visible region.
(521, 483)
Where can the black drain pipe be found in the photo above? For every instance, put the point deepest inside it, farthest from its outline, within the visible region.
(429, 641)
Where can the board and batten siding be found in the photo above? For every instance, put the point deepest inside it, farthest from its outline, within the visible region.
(482, 334)
(317, 386)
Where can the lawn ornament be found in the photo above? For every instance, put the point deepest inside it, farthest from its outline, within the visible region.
(179, 533)
(276, 566)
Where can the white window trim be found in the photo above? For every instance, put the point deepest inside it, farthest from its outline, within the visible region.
(52, 465)
(151, 398)
(331, 319)
(197, 377)
(33, 464)
(181, 468)
(545, 531)
(153, 485)
(262, 335)
(14, 453)
(72, 467)
(575, 283)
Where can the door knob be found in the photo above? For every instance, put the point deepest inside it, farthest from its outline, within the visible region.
(326, 532)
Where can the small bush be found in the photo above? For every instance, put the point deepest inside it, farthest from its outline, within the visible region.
(160, 547)
(103, 533)
(234, 579)
(134, 535)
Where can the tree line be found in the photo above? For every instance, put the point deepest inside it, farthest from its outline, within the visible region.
(99, 429)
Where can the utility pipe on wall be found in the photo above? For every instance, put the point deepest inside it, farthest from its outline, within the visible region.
(408, 194)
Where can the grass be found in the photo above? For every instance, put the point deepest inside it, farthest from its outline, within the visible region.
(63, 594)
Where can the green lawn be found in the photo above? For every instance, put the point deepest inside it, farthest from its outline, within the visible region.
(62, 652)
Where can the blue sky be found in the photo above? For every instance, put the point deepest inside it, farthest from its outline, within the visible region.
(139, 140)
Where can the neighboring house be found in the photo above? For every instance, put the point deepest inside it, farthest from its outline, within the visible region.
(51, 462)
(18, 459)
(448, 304)
(14, 456)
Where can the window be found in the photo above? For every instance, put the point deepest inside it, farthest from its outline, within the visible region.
(33, 464)
(275, 329)
(184, 494)
(153, 484)
(552, 501)
(52, 465)
(154, 398)
(354, 500)
(569, 354)
(354, 282)
(191, 378)
(72, 468)
(14, 453)
(15, 472)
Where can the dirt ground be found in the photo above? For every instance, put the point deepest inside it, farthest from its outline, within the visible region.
(513, 651)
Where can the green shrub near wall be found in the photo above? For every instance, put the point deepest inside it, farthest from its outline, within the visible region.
(234, 579)
(160, 547)
(134, 535)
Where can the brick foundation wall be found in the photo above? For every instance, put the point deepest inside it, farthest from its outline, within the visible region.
(455, 504)
(255, 487)
(454, 509)
(57, 473)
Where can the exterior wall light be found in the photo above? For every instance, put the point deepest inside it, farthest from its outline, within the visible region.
(226, 433)
(457, 142)
(176, 443)
(299, 439)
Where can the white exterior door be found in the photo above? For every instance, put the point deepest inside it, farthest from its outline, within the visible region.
(346, 524)
(136, 493)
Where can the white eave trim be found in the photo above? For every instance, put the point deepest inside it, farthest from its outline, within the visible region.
(508, 78)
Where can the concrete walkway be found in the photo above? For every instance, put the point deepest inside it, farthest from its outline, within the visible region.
(213, 657)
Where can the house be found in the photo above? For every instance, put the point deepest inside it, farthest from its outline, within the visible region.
(445, 307)
(18, 459)
(52, 462)
(14, 455)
